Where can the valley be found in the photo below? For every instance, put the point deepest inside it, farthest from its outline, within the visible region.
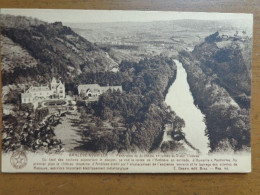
(208, 111)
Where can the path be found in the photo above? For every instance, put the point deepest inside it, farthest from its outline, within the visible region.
(68, 131)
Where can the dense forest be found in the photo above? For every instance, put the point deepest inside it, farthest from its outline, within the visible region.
(220, 85)
(227, 62)
(135, 118)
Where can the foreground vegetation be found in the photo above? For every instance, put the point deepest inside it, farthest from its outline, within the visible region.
(31, 130)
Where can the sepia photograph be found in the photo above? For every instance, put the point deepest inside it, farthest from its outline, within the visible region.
(125, 91)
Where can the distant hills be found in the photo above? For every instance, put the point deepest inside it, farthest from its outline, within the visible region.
(155, 28)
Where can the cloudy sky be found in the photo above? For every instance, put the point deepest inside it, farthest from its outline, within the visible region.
(97, 16)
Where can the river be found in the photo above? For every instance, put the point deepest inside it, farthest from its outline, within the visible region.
(180, 99)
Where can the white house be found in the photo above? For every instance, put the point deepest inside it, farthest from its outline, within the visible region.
(56, 90)
(95, 90)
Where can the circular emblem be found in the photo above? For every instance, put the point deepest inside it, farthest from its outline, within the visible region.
(18, 160)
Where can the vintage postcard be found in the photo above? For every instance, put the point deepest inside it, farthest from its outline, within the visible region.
(90, 91)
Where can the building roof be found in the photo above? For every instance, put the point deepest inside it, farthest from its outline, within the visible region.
(89, 86)
(56, 81)
(38, 89)
(26, 95)
(60, 85)
(94, 87)
(112, 88)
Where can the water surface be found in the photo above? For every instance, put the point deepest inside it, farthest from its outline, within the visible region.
(180, 99)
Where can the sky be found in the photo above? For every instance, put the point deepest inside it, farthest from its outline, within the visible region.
(100, 16)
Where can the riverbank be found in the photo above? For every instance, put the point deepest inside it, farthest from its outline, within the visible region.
(228, 126)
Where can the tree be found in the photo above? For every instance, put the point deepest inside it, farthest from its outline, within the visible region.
(98, 122)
